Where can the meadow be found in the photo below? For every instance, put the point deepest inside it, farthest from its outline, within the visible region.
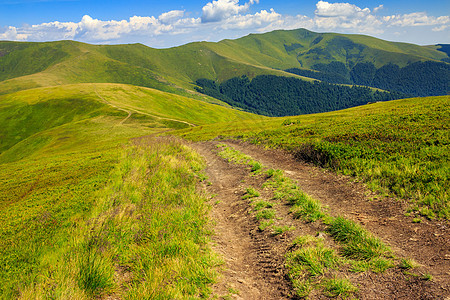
(98, 199)
(82, 205)
(398, 148)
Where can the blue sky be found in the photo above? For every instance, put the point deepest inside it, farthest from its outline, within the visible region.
(163, 24)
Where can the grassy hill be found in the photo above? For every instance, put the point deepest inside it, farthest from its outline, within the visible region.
(29, 65)
(399, 147)
(26, 116)
(95, 203)
(302, 48)
(60, 147)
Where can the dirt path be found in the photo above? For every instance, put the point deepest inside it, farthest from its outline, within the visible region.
(131, 111)
(428, 242)
(254, 262)
(251, 268)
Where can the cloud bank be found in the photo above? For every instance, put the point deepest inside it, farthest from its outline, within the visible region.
(224, 18)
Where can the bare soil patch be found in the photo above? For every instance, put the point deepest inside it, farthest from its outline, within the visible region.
(254, 260)
(252, 267)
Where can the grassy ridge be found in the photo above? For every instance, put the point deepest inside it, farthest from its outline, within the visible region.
(26, 116)
(52, 192)
(29, 65)
(64, 236)
(53, 180)
(19, 59)
(400, 147)
(66, 62)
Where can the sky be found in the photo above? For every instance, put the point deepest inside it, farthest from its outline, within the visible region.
(163, 23)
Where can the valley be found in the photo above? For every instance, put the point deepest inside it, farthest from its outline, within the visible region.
(274, 166)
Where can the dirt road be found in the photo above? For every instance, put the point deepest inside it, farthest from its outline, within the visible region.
(254, 261)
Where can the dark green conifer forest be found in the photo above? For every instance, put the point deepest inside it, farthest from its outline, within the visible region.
(286, 96)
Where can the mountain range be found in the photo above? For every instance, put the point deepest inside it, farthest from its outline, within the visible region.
(309, 54)
(102, 194)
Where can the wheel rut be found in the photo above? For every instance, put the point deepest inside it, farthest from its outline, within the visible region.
(254, 261)
(251, 269)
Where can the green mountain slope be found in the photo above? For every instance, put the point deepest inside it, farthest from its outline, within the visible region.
(302, 48)
(400, 147)
(38, 120)
(179, 67)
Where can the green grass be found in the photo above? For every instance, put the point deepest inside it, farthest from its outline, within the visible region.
(427, 277)
(339, 287)
(309, 265)
(313, 260)
(357, 242)
(266, 214)
(407, 264)
(258, 205)
(235, 156)
(303, 206)
(399, 147)
(41, 201)
(264, 224)
(77, 206)
(313, 266)
(153, 227)
(250, 193)
(278, 230)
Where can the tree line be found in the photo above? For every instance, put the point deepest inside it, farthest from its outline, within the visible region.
(419, 79)
(286, 96)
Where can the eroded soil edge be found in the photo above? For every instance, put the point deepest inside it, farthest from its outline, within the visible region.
(254, 260)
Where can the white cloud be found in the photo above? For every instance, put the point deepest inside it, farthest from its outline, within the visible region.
(229, 19)
(171, 16)
(346, 16)
(325, 9)
(440, 28)
(262, 18)
(11, 34)
(416, 19)
(378, 8)
(94, 30)
(219, 10)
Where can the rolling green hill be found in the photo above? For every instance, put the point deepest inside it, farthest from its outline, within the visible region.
(29, 65)
(399, 147)
(35, 120)
(98, 199)
(62, 149)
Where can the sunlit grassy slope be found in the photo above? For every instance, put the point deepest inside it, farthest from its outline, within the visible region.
(59, 146)
(401, 147)
(43, 118)
(28, 65)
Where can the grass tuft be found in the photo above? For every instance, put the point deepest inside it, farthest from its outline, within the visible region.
(250, 193)
(357, 242)
(258, 205)
(408, 264)
(311, 260)
(96, 272)
(427, 277)
(277, 230)
(266, 214)
(339, 287)
(265, 224)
